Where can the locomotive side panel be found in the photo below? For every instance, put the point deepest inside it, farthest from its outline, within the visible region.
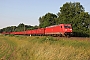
(57, 29)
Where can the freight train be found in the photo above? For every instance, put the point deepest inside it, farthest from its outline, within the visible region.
(55, 30)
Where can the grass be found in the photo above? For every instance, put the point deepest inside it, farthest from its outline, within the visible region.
(44, 48)
(6, 48)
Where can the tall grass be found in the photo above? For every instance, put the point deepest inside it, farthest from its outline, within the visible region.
(49, 48)
(6, 48)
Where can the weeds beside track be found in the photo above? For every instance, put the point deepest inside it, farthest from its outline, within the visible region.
(43, 48)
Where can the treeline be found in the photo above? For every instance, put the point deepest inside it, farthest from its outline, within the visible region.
(20, 27)
(70, 13)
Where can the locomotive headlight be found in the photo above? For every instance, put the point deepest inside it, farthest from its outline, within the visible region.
(70, 29)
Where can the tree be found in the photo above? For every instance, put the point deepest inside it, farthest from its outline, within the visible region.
(47, 20)
(20, 27)
(68, 11)
(1, 30)
(28, 27)
(74, 13)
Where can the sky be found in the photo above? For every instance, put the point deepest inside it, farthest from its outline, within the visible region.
(14, 12)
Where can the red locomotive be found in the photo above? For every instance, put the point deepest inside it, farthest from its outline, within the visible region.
(60, 30)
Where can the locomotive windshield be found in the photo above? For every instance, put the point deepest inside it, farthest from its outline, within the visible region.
(67, 26)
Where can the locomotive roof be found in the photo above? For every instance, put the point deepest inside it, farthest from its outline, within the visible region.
(52, 26)
(57, 25)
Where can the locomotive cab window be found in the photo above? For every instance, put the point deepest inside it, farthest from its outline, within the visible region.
(67, 26)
